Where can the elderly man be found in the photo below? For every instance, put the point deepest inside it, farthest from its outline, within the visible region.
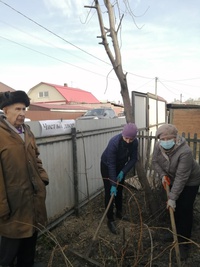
(22, 184)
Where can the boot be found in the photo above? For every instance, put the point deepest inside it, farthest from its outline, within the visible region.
(112, 227)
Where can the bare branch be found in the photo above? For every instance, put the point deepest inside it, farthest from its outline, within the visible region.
(103, 34)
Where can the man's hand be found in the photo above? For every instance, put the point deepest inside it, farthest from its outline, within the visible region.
(165, 181)
(120, 176)
(171, 203)
(113, 190)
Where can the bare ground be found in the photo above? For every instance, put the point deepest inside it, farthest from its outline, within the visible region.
(139, 242)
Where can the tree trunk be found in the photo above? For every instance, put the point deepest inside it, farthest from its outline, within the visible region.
(117, 66)
(151, 203)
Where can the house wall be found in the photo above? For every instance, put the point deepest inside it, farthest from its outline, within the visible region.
(52, 115)
(186, 120)
(54, 95)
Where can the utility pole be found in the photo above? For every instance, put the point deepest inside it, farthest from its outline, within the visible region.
(156, 93)
(181, 98)
(156, 82)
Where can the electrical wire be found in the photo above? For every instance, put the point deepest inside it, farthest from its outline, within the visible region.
(55, 34)
(84, 51)
(60, 60)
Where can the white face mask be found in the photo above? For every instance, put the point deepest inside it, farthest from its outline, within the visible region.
(167, 144)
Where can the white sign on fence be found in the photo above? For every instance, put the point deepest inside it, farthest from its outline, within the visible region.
(55, 127)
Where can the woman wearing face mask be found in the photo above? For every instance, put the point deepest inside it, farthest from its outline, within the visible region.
(117, 160)
(173, 158)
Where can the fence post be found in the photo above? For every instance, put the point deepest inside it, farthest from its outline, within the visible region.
(75, 172)
(195, 146)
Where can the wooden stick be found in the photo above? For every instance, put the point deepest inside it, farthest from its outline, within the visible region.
(173, 224)
(100, 223)
(103, 217)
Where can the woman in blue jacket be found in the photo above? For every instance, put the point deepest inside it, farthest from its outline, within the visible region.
(117, 160)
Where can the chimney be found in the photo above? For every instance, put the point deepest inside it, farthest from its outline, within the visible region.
(65, 84)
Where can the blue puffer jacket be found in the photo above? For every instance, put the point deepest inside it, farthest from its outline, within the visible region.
(119, 156)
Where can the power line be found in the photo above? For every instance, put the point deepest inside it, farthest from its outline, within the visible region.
(63, 39)
(145, 84)
(44, 41)
(183, 84)
(166, 87)
(82, 50)
(189, 79)
(179, 91)
(60, 60)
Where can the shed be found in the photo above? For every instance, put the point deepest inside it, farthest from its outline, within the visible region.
(185, 117)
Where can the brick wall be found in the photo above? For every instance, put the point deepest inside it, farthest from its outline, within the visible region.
(186, 120)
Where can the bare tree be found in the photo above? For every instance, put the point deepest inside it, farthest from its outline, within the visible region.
(116, 60)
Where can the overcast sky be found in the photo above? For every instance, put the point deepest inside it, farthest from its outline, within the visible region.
(55, 41)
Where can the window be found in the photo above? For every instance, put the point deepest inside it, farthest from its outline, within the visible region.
(43, 94)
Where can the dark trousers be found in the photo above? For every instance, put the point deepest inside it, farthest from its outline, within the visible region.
(22, 250)
(184, 211)
(107, 186)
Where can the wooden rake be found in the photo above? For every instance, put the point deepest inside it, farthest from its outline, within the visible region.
(86, 255)
(173, 224)
(99, 226)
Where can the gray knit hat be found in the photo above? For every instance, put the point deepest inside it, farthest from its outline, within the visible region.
(9, 98)
(166, 131)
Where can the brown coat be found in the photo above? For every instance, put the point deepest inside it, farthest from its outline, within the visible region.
(22, 184)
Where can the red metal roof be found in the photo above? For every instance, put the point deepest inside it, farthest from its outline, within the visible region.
(75, 95)
(58, 107)
(5, 88)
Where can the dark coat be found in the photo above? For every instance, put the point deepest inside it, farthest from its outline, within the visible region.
(22, 184)
(119, 156)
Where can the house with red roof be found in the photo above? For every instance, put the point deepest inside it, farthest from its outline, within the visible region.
(5, 88)
(58, 94)
(52, 101)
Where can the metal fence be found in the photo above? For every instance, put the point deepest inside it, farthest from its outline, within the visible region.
(73, 162)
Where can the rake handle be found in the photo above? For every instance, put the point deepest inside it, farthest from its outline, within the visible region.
(103, 217)
(173, 224)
